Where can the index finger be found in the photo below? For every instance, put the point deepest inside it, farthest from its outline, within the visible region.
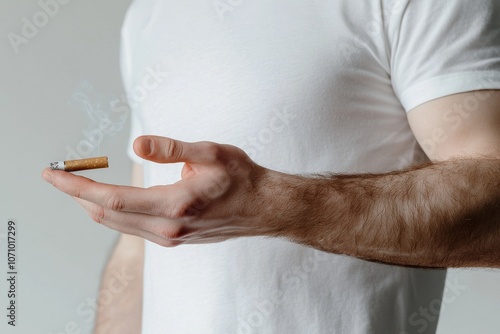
(153, 201)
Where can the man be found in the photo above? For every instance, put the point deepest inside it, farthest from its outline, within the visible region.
(304, 201)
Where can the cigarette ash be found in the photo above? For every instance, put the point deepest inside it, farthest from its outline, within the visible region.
(56, 165)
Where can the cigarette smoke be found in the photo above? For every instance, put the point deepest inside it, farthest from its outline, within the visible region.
(105, 118)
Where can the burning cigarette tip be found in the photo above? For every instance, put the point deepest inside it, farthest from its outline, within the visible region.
(81, 164)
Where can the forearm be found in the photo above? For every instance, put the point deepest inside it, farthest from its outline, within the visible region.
(120, 307)
(444, 214)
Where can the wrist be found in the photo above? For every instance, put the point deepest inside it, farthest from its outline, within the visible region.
(284, 204)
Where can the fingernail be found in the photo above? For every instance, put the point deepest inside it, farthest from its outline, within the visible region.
(146, 146)
(47, 177)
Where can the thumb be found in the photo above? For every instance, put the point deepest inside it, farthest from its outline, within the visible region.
(168, 150)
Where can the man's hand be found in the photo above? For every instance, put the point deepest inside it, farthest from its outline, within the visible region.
(220, 195)
(444, 213)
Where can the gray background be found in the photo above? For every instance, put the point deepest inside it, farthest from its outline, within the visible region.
(62, 252)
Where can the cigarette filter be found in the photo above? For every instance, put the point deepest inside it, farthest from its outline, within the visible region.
(81, 164)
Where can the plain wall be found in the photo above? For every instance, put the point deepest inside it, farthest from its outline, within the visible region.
(61, 251)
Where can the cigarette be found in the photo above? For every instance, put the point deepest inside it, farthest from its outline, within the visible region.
(81, 164)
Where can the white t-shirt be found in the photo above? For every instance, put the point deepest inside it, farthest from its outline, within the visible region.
(303, 87)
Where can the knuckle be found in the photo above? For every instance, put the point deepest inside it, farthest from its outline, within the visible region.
(177, 212)
(115, 202)
(173, 232)
(214, 151)
(77, 193)
(183, 207)
(173, 150)
(98, 215)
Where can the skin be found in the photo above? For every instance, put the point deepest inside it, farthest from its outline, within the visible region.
(443, 213)
(122, 314)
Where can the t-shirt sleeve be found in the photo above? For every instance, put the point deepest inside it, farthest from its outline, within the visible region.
(439, 48)
(135, 131)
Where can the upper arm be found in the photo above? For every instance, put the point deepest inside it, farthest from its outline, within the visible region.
(465, 124)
